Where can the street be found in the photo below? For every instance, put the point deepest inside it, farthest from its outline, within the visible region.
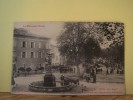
(110, 84)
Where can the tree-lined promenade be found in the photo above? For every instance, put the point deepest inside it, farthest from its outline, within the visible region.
(83, 42)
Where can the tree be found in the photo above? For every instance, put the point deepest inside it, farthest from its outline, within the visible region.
(28, 69)
(22, 69)
(113, 32)
(76, 43)
(114, 36)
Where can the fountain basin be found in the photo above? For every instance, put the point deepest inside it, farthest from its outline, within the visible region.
(38, 86)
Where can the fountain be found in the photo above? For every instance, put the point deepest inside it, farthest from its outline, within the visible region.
(49, 80)
(49, 84)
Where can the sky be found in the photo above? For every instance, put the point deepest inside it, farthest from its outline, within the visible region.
(45, 29)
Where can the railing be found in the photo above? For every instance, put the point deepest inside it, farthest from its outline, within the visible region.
(34, 86)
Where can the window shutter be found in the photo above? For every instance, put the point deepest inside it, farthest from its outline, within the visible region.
(21, 55)
(25, 44)
(21, 44)
(26, 55)
(37, 54)
(34, 56)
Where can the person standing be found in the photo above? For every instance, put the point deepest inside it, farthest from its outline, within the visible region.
(94, 78)
(87, 77)
(107, 72)
(62, 80)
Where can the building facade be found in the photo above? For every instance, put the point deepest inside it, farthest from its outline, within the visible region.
(30, 51)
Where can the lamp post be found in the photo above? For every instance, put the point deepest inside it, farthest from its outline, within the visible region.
(49, 61)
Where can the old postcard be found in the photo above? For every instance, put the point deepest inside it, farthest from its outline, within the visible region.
(68, 58)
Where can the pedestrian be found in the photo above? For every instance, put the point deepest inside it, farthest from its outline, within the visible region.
(96, 70)
(107, 72)
(92, 72)
(111, 71)
(14, 69)
(62, 80)
(13, 81)
(87, 77)
(94, 78)
(117, 71)
(18, 73)
(77, 81)
(83, 88)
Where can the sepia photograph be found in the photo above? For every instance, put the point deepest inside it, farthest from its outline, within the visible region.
(68, 58)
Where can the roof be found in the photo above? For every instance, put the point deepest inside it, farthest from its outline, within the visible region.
(20, 32)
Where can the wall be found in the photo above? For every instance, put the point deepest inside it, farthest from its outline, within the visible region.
(36, 60)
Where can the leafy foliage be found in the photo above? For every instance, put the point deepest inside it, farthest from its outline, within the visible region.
(28, 69)
(22, 69)
(77, 43)
(81, 42)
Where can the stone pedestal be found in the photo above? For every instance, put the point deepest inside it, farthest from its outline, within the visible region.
(49, 80)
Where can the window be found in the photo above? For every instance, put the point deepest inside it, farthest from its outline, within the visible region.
(31, 54)
(23, 55)
(40, 54)
(24, 44)
(39, 45)
(32, 45)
